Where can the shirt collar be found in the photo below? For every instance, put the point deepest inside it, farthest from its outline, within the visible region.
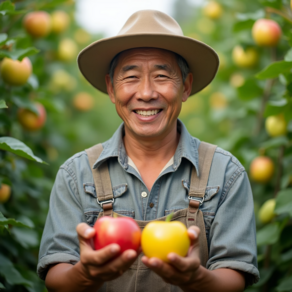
(187, 148)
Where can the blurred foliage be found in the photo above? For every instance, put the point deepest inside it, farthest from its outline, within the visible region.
(230, 112)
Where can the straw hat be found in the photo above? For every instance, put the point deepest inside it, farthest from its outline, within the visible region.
(149, 28)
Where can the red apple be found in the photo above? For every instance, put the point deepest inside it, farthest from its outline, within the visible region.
(266, 32)
(30, 120)
(37, 23)
(123, 231)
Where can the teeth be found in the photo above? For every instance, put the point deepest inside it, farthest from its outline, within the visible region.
(147, 113)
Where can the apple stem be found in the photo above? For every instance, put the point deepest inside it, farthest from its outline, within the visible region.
(169, 217)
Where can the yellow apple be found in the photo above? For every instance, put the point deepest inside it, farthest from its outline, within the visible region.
(61, 80)
(218, 101)
(266, 212)
(276, 125)
(60, 21)
(37, 23)
(83, 101)
(244, 58)
(81, 36)
(213, 10)
(266, 32)
(261, 169)
(16, 72)
(5, 192)
(236, 80)
(67, 50)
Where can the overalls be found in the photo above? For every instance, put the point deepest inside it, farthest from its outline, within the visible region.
(139, 278)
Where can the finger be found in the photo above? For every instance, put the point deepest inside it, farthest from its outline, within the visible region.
(101, 256)
(169, 273)
(194, 233)
(85, 235)
(184, 264)
(120, 264)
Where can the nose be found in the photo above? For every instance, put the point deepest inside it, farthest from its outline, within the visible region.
(146, 91)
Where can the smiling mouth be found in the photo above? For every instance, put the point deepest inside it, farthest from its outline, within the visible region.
(148, 113)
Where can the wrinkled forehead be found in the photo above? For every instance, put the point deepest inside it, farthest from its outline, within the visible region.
(147, 54)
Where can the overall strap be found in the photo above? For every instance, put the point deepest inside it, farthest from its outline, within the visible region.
(102, 180)
(198, 186)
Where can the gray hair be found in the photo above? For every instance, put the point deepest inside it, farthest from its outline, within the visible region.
(182, 64)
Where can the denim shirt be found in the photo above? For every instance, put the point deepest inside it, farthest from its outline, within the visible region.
(227, 207)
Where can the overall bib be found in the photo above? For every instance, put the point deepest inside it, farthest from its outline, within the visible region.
(139, 278)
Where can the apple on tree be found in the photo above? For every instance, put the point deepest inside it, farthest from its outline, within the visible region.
(83, 101)
(266, 32)
(60, 21)
(123, 231)
(159, 238)
(37, 23)
(276, 125)
(261, 169)
(67, 50)
(5, 192)
(30, 120)
(266, 212)
(244, 58)
(213, 10)
(16, 72)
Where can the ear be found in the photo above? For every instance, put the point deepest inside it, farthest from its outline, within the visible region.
(187, 87)
(110, 88)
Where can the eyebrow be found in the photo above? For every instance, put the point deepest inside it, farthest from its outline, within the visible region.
(129, 67)
(164, 67)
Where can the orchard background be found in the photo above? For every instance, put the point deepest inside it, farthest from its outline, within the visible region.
(50, 112)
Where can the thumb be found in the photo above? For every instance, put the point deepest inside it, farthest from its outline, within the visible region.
(194, 233)
(85, 236)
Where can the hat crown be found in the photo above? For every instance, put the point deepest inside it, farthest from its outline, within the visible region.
(150, 22)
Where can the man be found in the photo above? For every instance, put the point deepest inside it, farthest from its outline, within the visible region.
(149, 168)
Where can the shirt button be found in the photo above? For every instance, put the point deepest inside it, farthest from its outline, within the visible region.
(151, 205)
(144, 194)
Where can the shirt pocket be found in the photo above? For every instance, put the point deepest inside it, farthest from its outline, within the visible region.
(92, 208)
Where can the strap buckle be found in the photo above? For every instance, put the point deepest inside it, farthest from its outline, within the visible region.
(200, 200)
(105, 202)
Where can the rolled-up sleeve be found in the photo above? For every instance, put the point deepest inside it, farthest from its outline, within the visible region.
(59, 242)
(233, 232)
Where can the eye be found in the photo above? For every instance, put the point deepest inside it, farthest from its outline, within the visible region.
(130, 77)
(162, 76)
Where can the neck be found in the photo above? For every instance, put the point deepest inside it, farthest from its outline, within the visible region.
(155, 148)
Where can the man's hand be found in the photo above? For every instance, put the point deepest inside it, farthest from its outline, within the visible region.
(104, 264)
(179, 271)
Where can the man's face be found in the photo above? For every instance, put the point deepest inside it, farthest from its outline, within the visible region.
(148, 91)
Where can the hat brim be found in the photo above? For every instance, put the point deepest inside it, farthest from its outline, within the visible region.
(94, 60)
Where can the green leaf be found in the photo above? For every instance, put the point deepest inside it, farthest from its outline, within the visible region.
(3, 104)
(2, 286)
(18, 54)
(274, 70)
(288, 56)
(252, 15)
(275, 142)
(284, 202)
(269, 234)
(24, 103)
(6, 7)
(272, 3)
(286, 257)
(249, 90)
(285, 285)
(275, 107)
(12, 221)
(19, 148)
(243, 25)
(27, 238)
(265, 276)
(3, 38)
(11, 275)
